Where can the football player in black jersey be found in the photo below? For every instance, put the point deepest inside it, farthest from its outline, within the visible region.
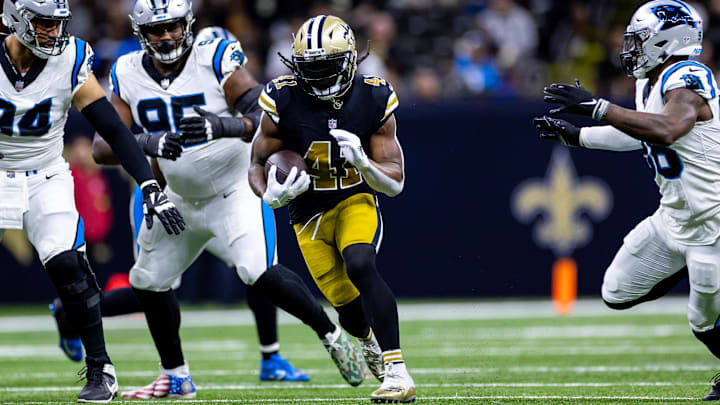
(344, 126)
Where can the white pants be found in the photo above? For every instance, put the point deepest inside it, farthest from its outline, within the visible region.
(241, 227)
(648, 256)
(50, 221)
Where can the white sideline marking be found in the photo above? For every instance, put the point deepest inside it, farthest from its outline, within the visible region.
(530, 309)
(284, 386)
(418, 371)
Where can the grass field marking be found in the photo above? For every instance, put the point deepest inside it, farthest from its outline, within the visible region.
(420, 398)
(294, 386)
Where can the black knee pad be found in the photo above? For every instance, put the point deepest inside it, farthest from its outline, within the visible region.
(77, 288)
(711, 339)
(359, 260)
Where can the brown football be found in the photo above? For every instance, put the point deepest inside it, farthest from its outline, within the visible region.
(285, 160)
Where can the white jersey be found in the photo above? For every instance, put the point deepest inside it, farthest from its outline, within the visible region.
(158, 104)
(34, 108)
(688, 171)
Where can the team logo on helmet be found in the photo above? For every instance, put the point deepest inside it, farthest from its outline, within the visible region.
(672, 16)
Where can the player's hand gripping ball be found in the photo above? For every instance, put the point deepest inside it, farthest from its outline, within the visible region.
(287, 178)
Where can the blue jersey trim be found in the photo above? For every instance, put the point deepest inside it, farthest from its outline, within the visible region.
(79, 234)
(667, 75)
(217, 59)
(269, 229)
(136, 216)
(113, 77)
(79, 59)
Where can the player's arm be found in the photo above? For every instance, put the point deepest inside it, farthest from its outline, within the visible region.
(241, 94)
(605, 137)
(682, 110)
(162, 144)
(91, 101)
(267, 141)
(385, 172)
(683, 107)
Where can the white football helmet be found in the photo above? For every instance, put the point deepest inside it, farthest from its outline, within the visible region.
(658, 30)
(149, 13)
(209, 33)
(18, 16)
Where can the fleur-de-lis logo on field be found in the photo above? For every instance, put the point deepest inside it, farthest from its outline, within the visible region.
(559, 200)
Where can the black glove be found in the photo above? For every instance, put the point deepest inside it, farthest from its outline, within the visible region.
(1, 155)
(209, 126)
(155, 202)
(575, 100)
(161, 145)
(557, 130)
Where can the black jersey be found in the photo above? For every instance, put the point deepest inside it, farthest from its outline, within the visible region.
(304, 123)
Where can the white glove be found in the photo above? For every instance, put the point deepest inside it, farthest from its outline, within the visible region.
(351, 148)
(276, 194)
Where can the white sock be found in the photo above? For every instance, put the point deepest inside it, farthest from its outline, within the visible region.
(180, 371)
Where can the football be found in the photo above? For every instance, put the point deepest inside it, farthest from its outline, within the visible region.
(285, 160)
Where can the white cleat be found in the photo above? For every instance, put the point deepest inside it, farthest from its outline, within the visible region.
(397, 388)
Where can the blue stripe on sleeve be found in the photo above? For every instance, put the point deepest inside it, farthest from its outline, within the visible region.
(79, 59)
(113, 77)
(269, 228)
(79, 234)
(217, 59)
(680, 65)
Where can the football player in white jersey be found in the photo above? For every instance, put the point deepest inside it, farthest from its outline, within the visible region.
(121, 301)
(176, 84)
(677, 125)
(45, 72)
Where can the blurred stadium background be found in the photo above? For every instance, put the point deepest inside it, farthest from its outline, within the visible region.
(488, 211)
(487, 207)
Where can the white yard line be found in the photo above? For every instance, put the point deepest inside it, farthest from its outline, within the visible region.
(288, 386)
(531, 309)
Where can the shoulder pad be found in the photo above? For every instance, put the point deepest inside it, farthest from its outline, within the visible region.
(383, 93)
(82, 67)
(275, 95)
(125, 64)
(222, 55)
(691, 75)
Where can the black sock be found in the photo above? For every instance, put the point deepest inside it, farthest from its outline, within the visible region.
(120, 301)
(352, 318)
(288, 292)
(711, 339)
(80, 295)
(377, 297)
(162, 312)
(265, 315)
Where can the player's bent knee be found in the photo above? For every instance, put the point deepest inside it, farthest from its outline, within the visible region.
(77, 287)
(359, 259)
(143, 279)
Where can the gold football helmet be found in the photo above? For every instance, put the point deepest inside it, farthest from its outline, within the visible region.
(324, 58)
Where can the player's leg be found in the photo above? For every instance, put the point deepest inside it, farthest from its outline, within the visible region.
(359, 235)
(243, 228)
(704, 302)
(647, 265)
(55, 229)
(162, 260)
(273, 367)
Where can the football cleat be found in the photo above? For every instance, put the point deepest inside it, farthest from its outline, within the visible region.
(69, 341)
(346, 355)
(373, 355)
(714, 394)
(398, 386)
(101, 386)
(176, 383)
(276, 368)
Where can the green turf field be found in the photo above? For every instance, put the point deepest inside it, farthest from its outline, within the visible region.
(458, 352)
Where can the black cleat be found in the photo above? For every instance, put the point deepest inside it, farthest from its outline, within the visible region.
(714, 394)
(101, 386)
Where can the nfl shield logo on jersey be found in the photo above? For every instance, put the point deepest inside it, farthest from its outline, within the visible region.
(332, 123)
